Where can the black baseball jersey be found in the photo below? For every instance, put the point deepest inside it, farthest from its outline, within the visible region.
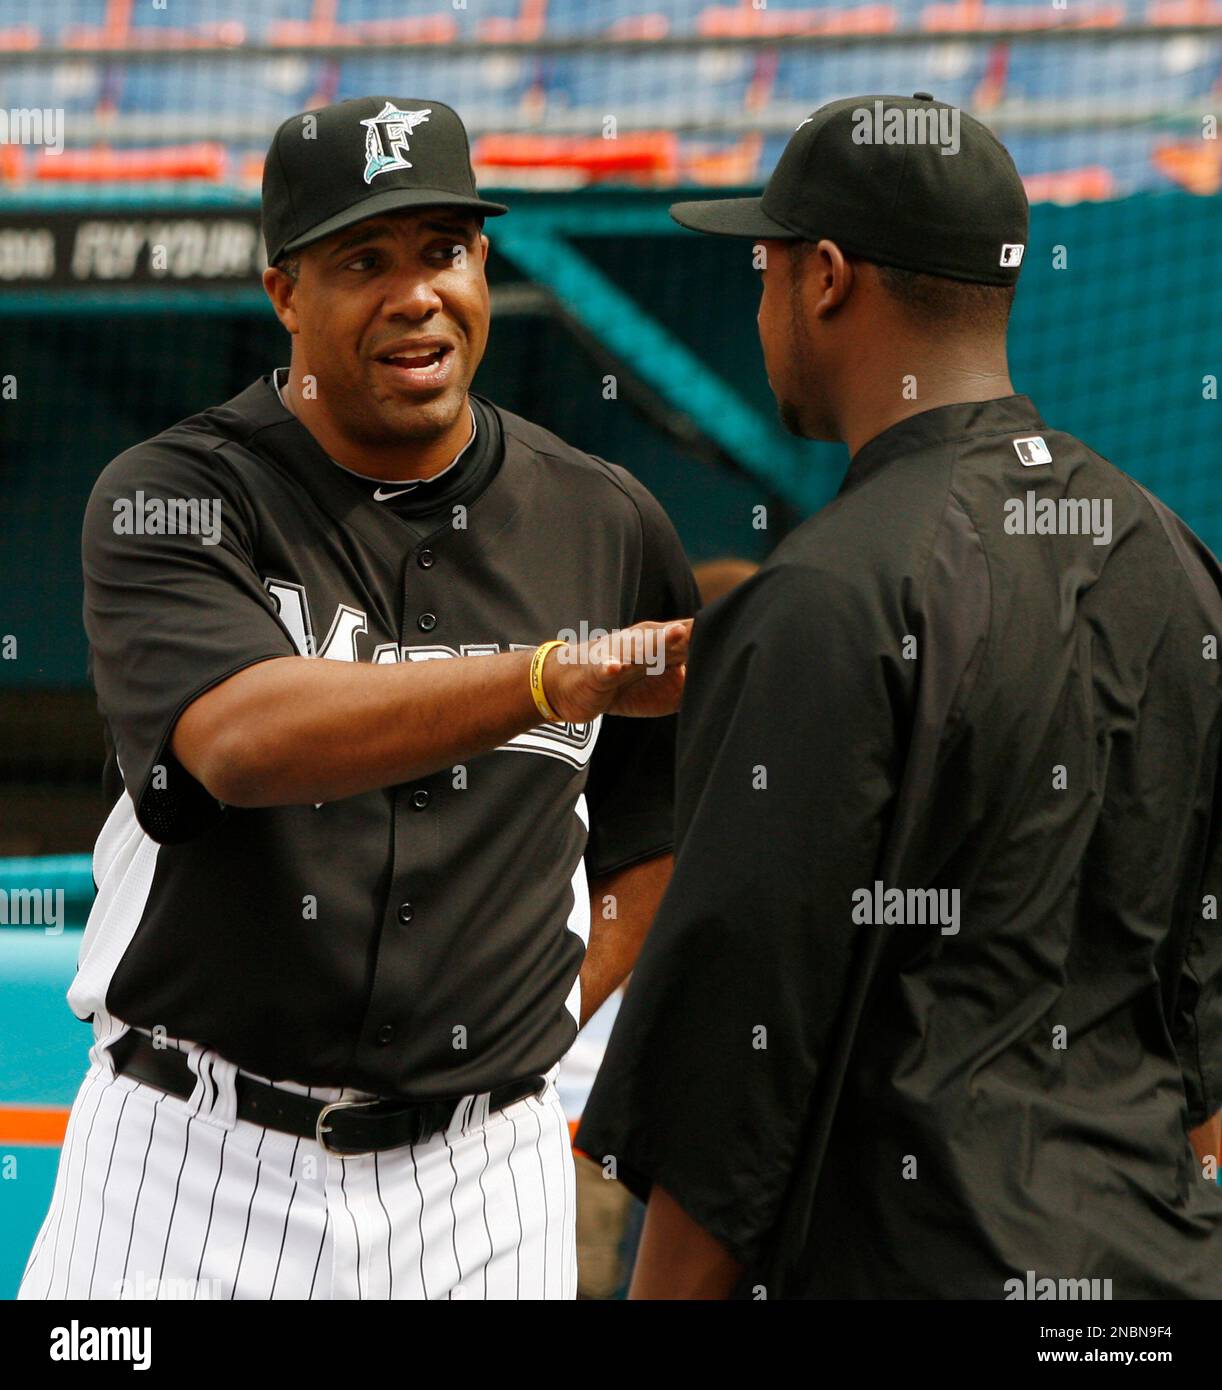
(424, 939)
(936, 988)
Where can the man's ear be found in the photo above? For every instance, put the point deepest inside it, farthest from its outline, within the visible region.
(829, 279)
(280, 289)
(486, 244)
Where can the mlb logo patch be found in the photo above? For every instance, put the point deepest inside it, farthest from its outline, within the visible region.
(1012, 253)
(1032, 450)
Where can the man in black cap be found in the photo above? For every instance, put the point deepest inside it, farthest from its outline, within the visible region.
(344, 930)
(933, 1004)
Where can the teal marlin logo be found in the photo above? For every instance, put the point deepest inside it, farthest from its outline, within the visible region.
(386, 139)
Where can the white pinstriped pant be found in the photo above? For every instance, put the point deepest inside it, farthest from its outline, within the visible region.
(158, 1197)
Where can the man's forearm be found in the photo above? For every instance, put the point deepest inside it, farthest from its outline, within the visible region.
(678, 1258)
(291, 731)
(622, 908)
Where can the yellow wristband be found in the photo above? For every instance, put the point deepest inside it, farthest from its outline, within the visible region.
(536, 681)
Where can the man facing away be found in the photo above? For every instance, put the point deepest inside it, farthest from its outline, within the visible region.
(933, 1003)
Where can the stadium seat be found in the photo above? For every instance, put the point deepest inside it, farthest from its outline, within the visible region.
(19, 38)
(733, 165)
(969, 15)
(651, 156)
(808, 77)
(1124, 76)
(73, 86)
(249, 90)
(1172, 12)
(49, 19)
(1194, 165)
(489, 90)
(1058, 169)
(648, 19)
(170, 163)
(779, 18)
(674, 88)
(432, 21)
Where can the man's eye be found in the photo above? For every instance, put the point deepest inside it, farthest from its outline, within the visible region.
(361, 262)
(449, 253)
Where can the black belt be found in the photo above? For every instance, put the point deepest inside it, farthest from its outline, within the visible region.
(351, 1128)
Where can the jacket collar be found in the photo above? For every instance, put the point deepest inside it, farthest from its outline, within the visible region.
(943, 425)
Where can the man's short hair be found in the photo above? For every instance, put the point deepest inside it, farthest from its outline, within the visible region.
(934, 301)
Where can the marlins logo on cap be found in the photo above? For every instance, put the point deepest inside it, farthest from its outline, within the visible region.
(389, 129)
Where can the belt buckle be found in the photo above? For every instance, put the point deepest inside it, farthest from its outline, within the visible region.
(320, 1128)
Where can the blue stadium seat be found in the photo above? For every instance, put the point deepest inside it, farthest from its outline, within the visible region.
(71, 86)
(269, 87)
(51, 17)
(652, 89)
(205, 15)
(951, 71)
(491, 84)
(1163, 69)
(1125, 152)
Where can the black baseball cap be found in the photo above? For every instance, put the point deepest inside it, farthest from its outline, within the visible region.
(902, 181)
(329, 168)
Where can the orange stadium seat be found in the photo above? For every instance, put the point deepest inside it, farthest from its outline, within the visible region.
(1173, 12)
(740, 21)
(729, 167)
(1090, 184)
(963, 16)
(198, 161)
(529, 23)
(422, 29)
(20, 38)
(1191, 165)
(652, 153)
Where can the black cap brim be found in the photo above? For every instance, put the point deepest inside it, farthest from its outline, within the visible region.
(738, 217)
(393, 200)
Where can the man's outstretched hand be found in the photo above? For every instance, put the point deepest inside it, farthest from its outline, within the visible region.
(637, 671)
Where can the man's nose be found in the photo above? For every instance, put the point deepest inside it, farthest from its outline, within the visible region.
(412, 296)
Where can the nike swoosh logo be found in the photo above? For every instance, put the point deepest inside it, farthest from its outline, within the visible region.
(380, 496)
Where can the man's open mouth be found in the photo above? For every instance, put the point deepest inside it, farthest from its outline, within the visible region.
(402, 359)
(427, 365)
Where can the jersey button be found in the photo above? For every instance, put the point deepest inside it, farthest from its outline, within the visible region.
(420, 799)
(426, 622)
(425, 559)
(406, 913)
(386, 1034)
